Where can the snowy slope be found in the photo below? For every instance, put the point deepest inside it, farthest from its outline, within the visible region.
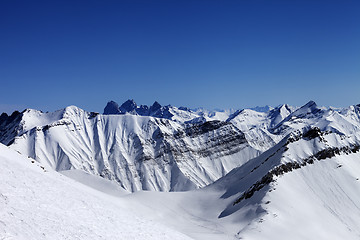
(314, 196)
(42, 204)
(305, 187)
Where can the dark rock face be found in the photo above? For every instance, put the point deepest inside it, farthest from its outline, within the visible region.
(93, 115)
(312, 133)
(143, 110)
(9, 127)
(156, 110)
(130, 106)
(205, 127)
(222, 139)
(156, 106)
(111, 108)
(3, 117)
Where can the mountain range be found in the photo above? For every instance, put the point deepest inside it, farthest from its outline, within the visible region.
(261, 173)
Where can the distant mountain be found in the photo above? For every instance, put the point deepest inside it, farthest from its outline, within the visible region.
(130, 106)
(305, 186)
(112, 108)
(266, 108)
(181, 114)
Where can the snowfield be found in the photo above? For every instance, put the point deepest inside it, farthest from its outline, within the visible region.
(43, 204)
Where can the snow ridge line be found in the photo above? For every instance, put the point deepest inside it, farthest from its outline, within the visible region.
(290, 166)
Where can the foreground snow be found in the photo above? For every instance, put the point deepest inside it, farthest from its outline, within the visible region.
(312, 204)
(43, 204)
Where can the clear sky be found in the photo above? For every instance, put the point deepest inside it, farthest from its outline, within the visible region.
(198, 53)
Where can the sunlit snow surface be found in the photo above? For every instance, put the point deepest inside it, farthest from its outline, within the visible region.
(318, 201)
(35, 204)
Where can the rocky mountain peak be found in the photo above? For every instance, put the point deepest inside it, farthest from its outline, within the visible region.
(111, 108)
(156, 106)
(128, 106)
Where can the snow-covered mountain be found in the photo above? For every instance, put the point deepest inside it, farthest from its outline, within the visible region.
(305, 187)
(263, 130)
(155, 110)
(181, 114)
(138, 152)
(285, 173)
(143, 148)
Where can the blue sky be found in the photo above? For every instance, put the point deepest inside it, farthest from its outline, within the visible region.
(212, 54)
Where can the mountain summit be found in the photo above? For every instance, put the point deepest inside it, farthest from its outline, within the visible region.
(112, 108)
(130, 106)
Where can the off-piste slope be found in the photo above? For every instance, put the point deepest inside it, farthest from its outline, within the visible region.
(39, 203)
(305, 187)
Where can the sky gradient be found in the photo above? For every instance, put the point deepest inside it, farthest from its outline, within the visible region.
(212, 54)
